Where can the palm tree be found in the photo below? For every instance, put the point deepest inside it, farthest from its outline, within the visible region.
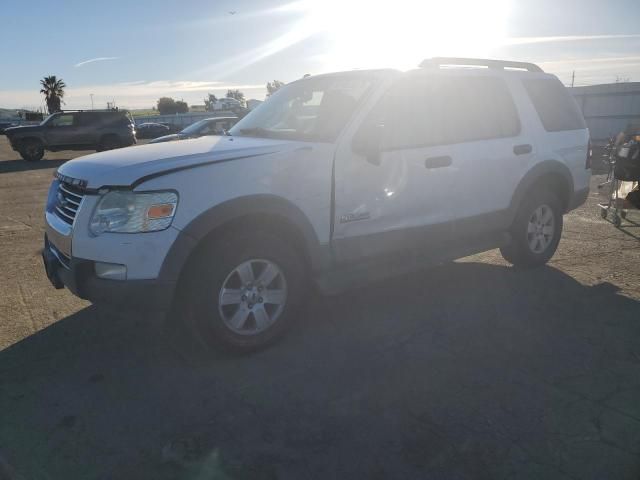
(53, 90)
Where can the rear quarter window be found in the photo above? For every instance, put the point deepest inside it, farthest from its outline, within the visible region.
(555, 106)
(114, 118)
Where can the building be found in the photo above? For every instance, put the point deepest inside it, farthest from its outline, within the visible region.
(608, 108)
(227, 104)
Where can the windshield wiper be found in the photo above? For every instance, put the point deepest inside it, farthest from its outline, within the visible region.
(258, 131)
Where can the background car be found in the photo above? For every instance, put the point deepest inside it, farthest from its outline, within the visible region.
(208, 126)
(151, 130)
(73, 130)
(4, 125)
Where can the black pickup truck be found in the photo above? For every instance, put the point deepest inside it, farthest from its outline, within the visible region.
(74, 130)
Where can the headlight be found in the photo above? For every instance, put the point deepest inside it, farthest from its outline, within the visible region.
(130, 212)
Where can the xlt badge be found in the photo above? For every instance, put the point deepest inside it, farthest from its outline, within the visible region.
(354, 217)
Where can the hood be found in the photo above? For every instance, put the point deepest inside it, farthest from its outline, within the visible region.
(169, 138)
(23, 128)
(125, 166)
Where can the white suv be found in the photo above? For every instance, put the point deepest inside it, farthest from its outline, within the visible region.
(335, 180)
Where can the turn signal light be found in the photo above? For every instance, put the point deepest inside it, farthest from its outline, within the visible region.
(162, 210)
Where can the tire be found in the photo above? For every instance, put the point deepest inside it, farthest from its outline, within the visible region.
(32, 150)
(218, 321)
(109, 142)
(536, 231)
(617, 221)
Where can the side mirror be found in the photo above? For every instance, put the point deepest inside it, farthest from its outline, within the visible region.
(368, 142)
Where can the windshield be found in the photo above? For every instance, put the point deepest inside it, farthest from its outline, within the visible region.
(313, 109)
(195, 127)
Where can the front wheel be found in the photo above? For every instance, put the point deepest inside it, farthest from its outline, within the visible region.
(32, 150)
(536, 231)
(243, 292)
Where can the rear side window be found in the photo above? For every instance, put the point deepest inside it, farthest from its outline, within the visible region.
(114, 118)
(555, 106)
(421, 111)
(85, 119)
(478, 108)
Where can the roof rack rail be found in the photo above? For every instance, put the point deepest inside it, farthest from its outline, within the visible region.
(479, 62)
(92, 110)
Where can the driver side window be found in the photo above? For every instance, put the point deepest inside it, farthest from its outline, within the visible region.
(213, 128)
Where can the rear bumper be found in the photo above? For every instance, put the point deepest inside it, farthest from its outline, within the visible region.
(78, 276)
(578, 198)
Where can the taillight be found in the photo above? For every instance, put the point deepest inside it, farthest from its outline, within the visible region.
(587, 164)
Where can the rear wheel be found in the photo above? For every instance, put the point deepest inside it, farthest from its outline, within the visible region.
(243, 293)
(32, 150)
(536, 231)
(617, 221)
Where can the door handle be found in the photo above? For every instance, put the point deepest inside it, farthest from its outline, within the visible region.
(522, 149)
(438, 162)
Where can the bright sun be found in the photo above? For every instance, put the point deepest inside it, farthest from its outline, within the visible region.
(400, 33)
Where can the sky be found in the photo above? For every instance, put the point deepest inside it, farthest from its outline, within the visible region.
(133, 52)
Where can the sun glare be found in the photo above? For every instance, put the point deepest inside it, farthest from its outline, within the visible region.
(399, 34)
(378, 34)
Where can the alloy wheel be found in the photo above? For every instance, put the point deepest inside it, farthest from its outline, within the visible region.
(252, 297)
(540, 229)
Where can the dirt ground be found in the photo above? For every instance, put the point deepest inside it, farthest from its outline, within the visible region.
(472, 370)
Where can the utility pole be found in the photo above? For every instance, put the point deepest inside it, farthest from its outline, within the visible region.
(573, 77)
(91, 95)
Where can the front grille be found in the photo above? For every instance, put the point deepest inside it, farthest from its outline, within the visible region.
(67, 202)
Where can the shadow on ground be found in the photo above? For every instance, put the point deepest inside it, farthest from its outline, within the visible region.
(19, 165)
(465, 371)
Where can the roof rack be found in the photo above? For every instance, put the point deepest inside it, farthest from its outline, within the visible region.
(479, 62)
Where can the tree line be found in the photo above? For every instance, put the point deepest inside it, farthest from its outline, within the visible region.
(53, 91)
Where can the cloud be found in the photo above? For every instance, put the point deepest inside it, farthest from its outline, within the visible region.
(595, 63)
(133, 94)
(93, 60)
(566, 38)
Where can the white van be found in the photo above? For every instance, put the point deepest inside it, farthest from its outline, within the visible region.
(335, 180)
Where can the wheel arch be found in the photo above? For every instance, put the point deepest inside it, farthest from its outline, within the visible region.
(268, 212)
(21, 141)
(551, 174)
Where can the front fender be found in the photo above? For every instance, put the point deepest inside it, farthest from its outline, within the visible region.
(213, 218)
